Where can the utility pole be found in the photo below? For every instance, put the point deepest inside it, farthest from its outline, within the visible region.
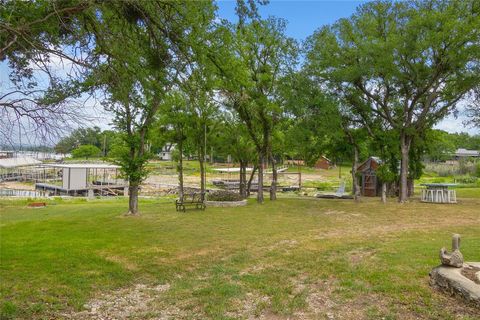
(104, 145)
(339, 169)
(205, 155)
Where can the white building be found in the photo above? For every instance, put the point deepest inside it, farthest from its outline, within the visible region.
(167, 152)
(465, 153)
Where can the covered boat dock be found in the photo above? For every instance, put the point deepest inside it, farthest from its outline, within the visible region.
(84, 179)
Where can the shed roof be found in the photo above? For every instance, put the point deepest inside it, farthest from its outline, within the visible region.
(325, 158)
(18, 162)
(367, 163)
(83, 165)
(467, 153)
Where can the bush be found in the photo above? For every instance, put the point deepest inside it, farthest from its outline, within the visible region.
(324, 186)
(478, 170)
(86, 151)
(439, 180)
(223, 195)
(466, 179)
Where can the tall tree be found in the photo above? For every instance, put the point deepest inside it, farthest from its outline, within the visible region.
(171, 125)
(134, 52)
(256, 55)
(236, 142)
(42, 45)
(203, 112)
(139, 72)
(409, 63)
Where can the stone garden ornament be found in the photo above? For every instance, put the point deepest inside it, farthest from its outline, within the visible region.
(454, 259)
(456, 277)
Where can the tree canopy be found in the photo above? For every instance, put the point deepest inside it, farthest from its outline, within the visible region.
(375, 83)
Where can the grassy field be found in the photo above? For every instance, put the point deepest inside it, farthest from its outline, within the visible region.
(289, 259)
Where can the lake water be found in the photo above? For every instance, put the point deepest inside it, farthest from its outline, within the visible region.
(21, 193)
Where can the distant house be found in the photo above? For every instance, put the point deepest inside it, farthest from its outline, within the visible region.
(465, 153)
(370, 184)
(6, 154)
(323, 163)
(294, 162)
(167, 152)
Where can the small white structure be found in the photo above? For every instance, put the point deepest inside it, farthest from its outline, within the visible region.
(84, 178)
(465, 153)
(17, 168)
(167, 152)
(6, 154)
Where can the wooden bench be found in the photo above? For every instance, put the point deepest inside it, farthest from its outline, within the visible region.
(196, 199)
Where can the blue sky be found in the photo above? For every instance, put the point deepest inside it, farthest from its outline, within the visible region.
(303, 16)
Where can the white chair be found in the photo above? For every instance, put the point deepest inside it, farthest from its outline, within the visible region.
(430, 195)
(439, 196)
(452, 196)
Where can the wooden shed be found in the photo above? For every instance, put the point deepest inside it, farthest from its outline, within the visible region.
(370, 185)
(323, 163)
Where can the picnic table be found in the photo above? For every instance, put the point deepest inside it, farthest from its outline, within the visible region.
(439, 193)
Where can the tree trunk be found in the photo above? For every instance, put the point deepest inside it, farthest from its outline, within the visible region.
(273, 186)
(405, 149)
(201, 161)
(355, 186)
(384, 192)
(249, 184)
(133, 199)
(180, 169)
(260, 198)
(410, 184)
(243, 178)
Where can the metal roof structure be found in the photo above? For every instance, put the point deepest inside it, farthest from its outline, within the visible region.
(18, 162)
(467, 153)
(226, 170)
(83, 165)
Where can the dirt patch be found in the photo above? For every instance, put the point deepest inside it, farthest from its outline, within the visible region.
(126, 303)
(17, 185)
(359, 255)
(250, 307)
(324, 303)
(253, 269)
(333, 212)
(284, 244)
(124, 262)
(196, 253)
(390, 230)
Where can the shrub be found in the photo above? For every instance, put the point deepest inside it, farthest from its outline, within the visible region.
(439, 180)
(86, 151)
(323, 186)
(223, 195)
(478, 170)
(466, 179)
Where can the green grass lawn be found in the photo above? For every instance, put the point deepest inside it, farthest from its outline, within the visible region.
(291, 258)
